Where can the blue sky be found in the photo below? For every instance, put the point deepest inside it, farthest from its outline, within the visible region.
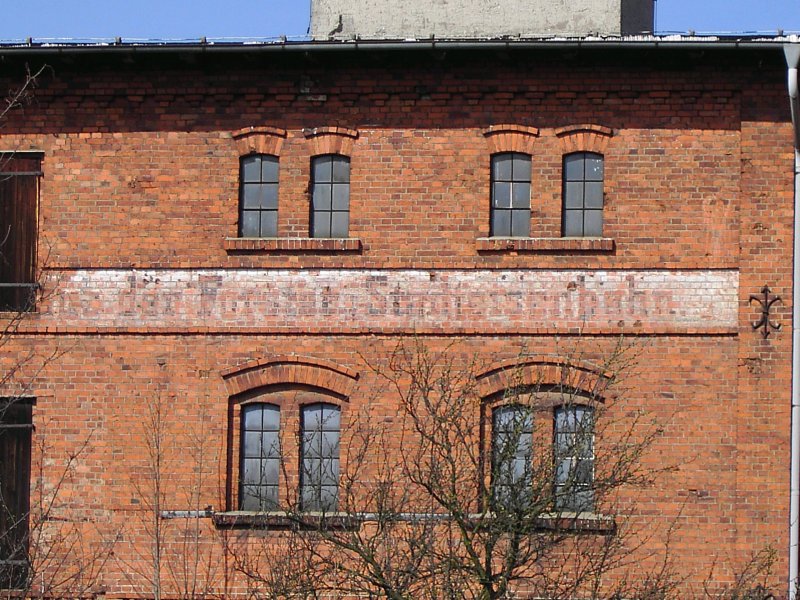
(186, 19)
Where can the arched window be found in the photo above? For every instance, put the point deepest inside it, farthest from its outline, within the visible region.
(512, 440)
(260, 457)
(573, 449)
(330, 196)
(511, 195)
(319, 474)
(583, 195)
(258, 196)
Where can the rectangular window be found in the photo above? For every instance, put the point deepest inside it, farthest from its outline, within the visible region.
(511, 195)
(583, 195)
(319, 479)
(16, 425)
(19, 199)
(512, 440)
(260, 457)
(330, 196)
(573, 446)
(258, 196)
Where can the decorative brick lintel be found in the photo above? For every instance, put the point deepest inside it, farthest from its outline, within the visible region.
(511, 128)
(277, 131)
(566, 244)
(584, 128)
(345, 131)
(292, 244)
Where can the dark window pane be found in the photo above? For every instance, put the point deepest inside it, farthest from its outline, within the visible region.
(573, 195)
(269, 196)
(252, 444)
(270, 445)
(269, 223)
(249, 500)
(501, 167)
(521, 195)
(340, 222)
(501, 223)
(252, 471)
(593, 223)
(252, 416)
(271, 415)
(573, 223)
(341, 197)
(522, 167)
(270, 470)
(251, 169)
(329, 472)
(269, 169)
(269, 497)
(520, 223)
(321, 169)
(250, 224)
(341, 169)
(593, 194)
(594, 167)
(573, 167)
(322, 225)
(252, 196)
(322, 196)
(329, 443)
(502, 195)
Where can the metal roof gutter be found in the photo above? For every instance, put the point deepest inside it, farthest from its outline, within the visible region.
(632, 43)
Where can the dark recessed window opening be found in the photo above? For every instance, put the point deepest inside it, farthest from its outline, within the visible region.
(330, 196)
(512, 439)
(16, 425)
(258, 196)
(260, 457)
(19, 199)
(583, 195)
(573, 447)
(319, 476)
(511, 195)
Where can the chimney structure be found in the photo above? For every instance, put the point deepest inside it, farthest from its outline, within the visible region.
(477, 19)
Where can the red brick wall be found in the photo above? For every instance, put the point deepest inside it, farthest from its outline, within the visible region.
(141, 181)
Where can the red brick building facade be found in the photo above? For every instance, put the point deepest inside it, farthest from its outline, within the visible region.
(161, 312)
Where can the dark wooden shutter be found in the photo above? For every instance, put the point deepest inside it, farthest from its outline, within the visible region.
(19, 193)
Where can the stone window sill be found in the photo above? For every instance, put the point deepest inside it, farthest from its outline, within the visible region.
(564, 244)
(283, 520)
(584, 522)
(292, 244)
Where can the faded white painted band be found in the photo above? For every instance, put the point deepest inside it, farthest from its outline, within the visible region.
(413, 300)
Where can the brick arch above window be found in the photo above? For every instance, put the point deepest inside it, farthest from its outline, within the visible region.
(508, 137)
(290, 369)
(331, 140)
(586, 137)
(545, 371)
(259, 140)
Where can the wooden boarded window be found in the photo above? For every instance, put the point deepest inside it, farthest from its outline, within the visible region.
(16, 425)
(19, 199)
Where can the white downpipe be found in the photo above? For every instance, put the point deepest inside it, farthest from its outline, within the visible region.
(792, 52)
